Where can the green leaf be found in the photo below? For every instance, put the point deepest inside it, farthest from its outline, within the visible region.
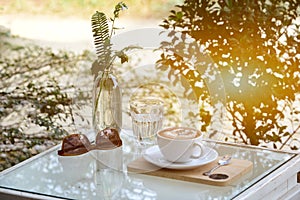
(294, 148)
(123, 57)
(101, 36)
(286, 134)
(119, 7)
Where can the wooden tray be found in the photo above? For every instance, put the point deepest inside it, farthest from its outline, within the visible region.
(234, 170)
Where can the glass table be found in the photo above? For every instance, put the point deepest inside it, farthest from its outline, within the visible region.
(46, 176)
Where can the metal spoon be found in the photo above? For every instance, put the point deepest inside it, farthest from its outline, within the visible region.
(223, 161)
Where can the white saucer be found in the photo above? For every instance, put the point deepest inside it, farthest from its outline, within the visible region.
(154, 156)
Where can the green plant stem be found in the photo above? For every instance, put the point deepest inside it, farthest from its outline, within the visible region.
(97, 98)
(109, 66)
(112, 28)
(110, 36)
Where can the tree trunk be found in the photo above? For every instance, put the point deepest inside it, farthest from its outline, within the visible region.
(249, 130)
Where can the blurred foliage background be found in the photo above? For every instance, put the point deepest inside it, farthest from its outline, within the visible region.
(254, 47)
(85, 8)
(38, 98)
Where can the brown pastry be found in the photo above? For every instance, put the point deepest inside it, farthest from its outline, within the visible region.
(74, 144)
(108, 139)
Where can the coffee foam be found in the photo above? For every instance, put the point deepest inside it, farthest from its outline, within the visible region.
(180, 133)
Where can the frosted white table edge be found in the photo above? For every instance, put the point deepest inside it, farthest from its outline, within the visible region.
(280, 184)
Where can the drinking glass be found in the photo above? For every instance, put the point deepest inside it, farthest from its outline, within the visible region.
(147, 119)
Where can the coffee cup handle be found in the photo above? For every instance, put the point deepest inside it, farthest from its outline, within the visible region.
(195, 145)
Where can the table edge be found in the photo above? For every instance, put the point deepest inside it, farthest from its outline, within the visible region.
(273, 180)
(8, 170)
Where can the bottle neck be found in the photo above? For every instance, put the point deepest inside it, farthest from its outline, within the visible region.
(106, 71)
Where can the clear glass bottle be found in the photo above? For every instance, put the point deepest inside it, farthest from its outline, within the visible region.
(107, 102)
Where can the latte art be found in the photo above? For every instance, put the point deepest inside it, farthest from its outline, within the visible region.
(180, 144)
(180, 133)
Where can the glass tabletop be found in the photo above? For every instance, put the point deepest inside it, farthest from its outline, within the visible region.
(78, 178)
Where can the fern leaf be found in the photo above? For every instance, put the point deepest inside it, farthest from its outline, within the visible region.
(100, 30)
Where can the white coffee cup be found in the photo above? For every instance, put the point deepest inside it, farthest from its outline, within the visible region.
(180, 144)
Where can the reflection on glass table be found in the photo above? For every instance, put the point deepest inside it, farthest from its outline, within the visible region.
(83, 178)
